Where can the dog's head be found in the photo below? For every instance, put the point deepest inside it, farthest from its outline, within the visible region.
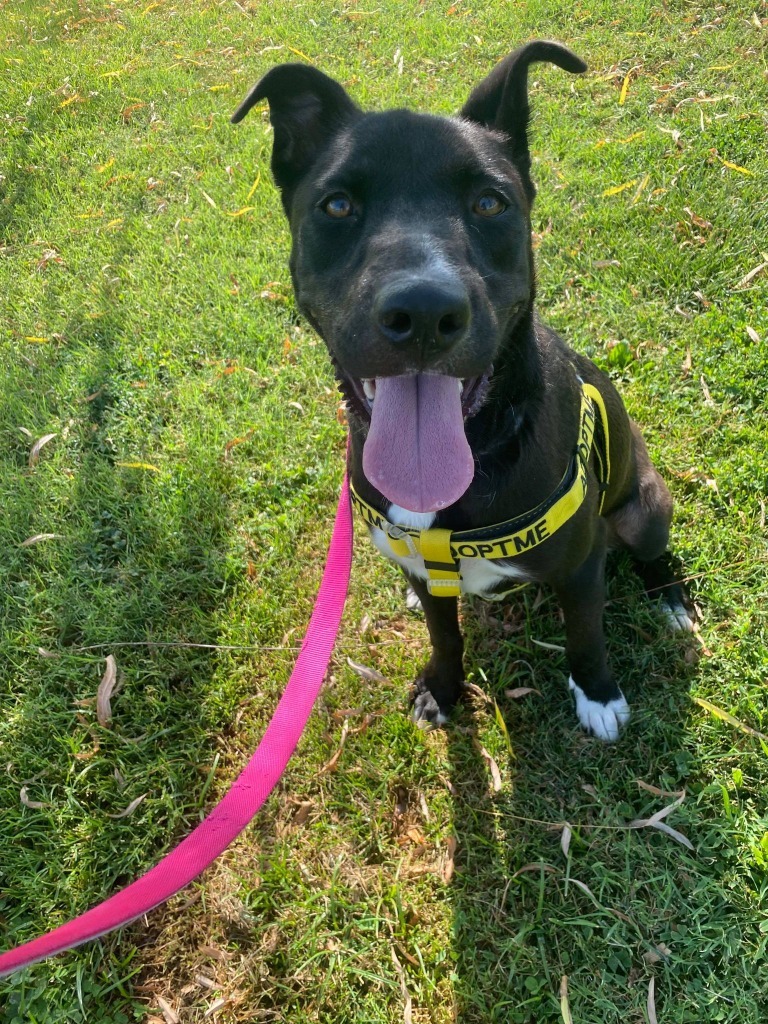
(411, 255)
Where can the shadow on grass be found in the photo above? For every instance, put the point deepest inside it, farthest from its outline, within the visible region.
(138, 560)
(525, 905)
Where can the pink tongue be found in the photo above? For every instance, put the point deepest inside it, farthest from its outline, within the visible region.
(416, 452)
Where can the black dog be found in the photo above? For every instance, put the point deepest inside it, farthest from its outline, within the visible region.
(483, 449)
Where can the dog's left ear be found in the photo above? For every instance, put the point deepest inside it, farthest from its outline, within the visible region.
(306, 108)
(501, 99)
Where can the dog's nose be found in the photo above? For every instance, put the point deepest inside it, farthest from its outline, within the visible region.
(430, 315)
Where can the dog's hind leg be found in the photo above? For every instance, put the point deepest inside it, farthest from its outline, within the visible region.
(641, 527)
(438, 686)
(600, 704)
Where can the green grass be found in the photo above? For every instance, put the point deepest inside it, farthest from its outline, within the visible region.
(191, 485)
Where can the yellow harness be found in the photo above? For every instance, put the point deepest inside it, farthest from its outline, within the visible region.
(442, 549)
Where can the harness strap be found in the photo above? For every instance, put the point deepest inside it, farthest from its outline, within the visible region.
(602, 450)
(442, 549)
(440, 563)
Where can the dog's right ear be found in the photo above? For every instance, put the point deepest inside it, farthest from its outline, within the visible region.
(306, 108)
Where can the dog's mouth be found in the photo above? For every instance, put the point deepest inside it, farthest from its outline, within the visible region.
(416, 452)
(473, 391)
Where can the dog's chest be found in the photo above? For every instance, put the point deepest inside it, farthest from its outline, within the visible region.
(480, 576)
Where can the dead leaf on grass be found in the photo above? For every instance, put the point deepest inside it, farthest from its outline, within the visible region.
(340, 714)
(696, 476)
(216, 1006)
(625, 87)
(652, 1019)
(412, 835)
(408, 1007)
(130, 808)
(748, 278)
(38, 537)
(104, 692)
(369, 674)
(168, 1011)
(548, 647)
(330, 766)
(565, 1009)
(565, 839)
(676, 794)
(215, 954)
(619, 188)
(138, 465)
(521, 691)
(477, 691)
(34, 453)
(537, 866)
(696, 220)
(719, 713)
(658, 953)
(424, 808)
(494, 768)
(504, 731)
(86, 755)
(363, 727)
(735, 167)
(655, 821)
(640, 189)
(302, 812)
(584, 888)
(450, 859)
(34, 805)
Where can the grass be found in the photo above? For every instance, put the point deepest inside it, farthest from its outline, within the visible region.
(147, 322)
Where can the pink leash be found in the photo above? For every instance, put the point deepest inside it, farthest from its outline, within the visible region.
(249, 791)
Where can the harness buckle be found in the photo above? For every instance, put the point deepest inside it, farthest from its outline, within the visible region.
(400, 540)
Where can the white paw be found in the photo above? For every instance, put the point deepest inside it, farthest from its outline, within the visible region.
(602, 720)
(412, 600)
(678, 618)
(427, 724)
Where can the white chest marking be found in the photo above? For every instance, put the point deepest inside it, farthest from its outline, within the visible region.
(413, 520)
(478, 575)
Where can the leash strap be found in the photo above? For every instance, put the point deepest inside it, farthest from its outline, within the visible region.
(250, 789)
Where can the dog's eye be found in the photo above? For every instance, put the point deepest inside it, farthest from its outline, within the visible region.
(489, 205)
(337, 206)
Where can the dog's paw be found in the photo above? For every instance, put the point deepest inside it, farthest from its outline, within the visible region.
(605, 721)
(412, 600)
(426, 711)
(430, 711)
(680, 618)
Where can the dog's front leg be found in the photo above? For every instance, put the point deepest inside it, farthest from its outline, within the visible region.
(600, 704)
(438, 686)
